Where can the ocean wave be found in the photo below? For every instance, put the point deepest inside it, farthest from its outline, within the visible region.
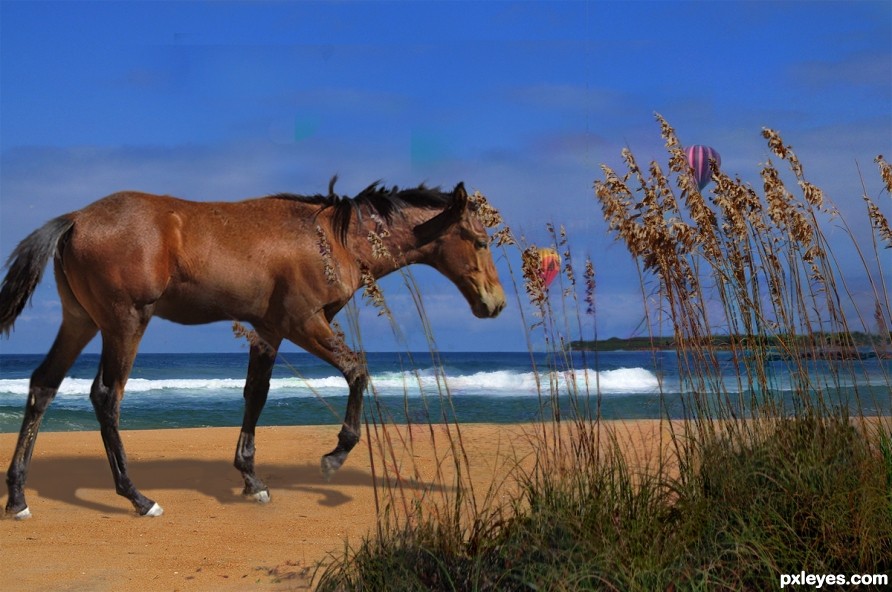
(621, 380)
(412, 383)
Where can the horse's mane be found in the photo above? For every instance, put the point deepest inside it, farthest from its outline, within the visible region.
(381, 200)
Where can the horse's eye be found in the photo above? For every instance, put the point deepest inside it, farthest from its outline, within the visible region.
(481, 244)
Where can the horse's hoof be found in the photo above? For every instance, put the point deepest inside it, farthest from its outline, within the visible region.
(330, 466)
(262, 497)
(154, 511)
(23, 514)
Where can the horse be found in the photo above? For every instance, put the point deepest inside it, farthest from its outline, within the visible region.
(285, 264)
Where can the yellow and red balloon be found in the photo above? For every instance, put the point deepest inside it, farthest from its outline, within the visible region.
(549, 266)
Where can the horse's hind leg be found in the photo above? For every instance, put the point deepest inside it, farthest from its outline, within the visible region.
(260, 370)
(76, 331)
(118, 352)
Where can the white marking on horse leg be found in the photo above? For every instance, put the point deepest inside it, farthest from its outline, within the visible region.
(330, 465)
(261, 496)
(23, 515)
(154, 511)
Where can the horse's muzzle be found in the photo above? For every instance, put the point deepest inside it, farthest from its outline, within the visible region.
(489, 304)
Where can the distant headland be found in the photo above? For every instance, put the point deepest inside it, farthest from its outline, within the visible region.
(852, 345)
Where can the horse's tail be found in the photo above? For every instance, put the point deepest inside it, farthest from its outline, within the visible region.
(26, 265)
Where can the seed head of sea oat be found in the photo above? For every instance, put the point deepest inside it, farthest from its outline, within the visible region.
(879, 222)
(589, 286)
(324, 247)
(242, 332)
(372, 291)
(531, 264)
(885, 172)
(486, 213)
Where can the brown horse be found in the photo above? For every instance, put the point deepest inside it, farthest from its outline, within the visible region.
(286, 264)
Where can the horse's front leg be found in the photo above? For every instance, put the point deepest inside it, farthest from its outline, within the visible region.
(348, 437)
(318, 338)
(260, 369)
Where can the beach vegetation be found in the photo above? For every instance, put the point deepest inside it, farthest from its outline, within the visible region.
(753, 480)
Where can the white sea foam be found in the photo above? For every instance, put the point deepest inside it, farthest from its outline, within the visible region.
(491, 383)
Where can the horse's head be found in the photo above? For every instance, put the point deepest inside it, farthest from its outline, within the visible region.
(456, 244)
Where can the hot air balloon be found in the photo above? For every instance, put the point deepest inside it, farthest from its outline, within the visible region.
(698, 158)
(549, 265)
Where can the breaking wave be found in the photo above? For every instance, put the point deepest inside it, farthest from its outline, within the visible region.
(493, 383)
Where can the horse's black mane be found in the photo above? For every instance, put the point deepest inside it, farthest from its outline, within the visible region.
(381, 200)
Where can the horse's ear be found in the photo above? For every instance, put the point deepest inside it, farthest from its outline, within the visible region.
(460, 194)
(428, 231)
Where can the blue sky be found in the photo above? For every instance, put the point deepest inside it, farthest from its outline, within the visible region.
(521, 100)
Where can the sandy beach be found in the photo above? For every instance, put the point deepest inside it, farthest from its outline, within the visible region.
(83, 536)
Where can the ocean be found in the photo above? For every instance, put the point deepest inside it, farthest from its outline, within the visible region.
(201, 390)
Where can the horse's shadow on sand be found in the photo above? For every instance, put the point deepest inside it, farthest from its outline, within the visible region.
(60, 478)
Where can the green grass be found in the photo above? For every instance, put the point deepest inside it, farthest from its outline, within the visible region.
(802, 494)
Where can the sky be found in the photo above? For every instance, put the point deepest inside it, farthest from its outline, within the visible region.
(522, 101)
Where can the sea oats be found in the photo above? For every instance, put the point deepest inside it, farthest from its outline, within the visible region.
(667, 132)
(590, 286)
(377, 238)
(372, 291)
(782, 208)
(811, 256)
(885, 172)
(879, 222)
(242, 332)
(349, 359)
(632, 165)
(663, 188)
(568, 260)
(813, 195)
(531, 265)
(486, 213)
(503, 237)
(776, 145)
(706, 223)
(328, 266)
(685, 236)
(734, 216)
(379, 249)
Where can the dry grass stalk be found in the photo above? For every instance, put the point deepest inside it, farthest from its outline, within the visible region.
(240, 331)
(379, 249)
(486, 213)
(590, 286)
(328, 264)
(531, 264)
(771, 245)
(885, 172)
(371, 291)
(349, 359)
(377, 239)
(879, 222)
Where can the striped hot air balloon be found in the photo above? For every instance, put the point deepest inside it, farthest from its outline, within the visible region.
(550, 265)
(698, 158)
